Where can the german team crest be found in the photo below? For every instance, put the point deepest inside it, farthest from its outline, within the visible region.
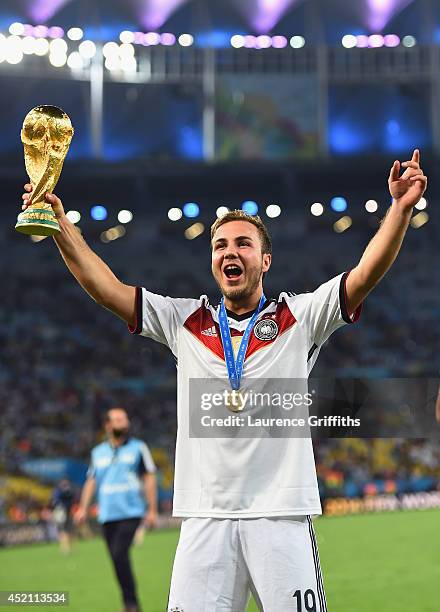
(266, 329)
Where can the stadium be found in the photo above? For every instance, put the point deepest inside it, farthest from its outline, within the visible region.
(183, 111)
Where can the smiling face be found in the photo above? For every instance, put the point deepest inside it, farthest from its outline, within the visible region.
(238, 263)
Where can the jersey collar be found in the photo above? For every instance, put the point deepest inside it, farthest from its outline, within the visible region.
(246, 315)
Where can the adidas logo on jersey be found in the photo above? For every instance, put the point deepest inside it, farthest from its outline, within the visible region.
(211, 331)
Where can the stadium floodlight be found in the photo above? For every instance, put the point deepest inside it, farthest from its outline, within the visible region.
(167, 39)
(41, 47)
(75, 61)
(126, 37)
(55, 32)
(74, 216)
(273, 211)
(13, 42)
(371, 206)
(58, 60)
(375, 41)
(41, 31)
(151, 38)
(75, 33)
(421, 204)
(263, 42)
(279, 42)
(317, 209)
(250, 207)
(249, 41)
(139, 38)
(391, 40)
(174, 214)
(128, 64)
(191, 210)
(186, 40)
(126, 50)
(14, 56)
(98, 212)
(28, 45)
(110, 49)
(125, 216)
(297, 42)
(338, 204)
(87, 49)
(362, 41)
(13, 49)
(58, 46)
(221, 210)
(409, 41)
(113, 63)
(349, 41)
(237, 41)
(16, 28)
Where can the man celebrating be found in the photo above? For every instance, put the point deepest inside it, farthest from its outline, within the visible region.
(122, 473)
(247, 503)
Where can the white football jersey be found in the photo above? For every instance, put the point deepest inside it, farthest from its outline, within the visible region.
(244, 477)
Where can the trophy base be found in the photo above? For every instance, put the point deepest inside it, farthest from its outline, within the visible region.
(37, 222)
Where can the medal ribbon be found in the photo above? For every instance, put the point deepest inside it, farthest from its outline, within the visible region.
(235, 368)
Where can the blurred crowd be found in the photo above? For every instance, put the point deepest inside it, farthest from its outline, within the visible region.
(65, 361)
(354, 467)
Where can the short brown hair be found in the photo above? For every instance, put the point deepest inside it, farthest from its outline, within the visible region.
(240, 215)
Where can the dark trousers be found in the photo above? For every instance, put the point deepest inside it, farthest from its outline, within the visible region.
(119, 536)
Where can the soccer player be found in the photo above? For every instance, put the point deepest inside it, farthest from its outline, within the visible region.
(246, 503)
(62, 502)
(122, 473)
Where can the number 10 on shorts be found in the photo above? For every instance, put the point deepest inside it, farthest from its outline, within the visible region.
(309, 601)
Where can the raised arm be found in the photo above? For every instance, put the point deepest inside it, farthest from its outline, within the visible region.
(90, 271)
(406, 191)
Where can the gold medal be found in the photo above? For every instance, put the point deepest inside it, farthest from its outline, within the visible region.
(234, 401)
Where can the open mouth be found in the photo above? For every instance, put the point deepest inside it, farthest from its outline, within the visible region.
(232, 271)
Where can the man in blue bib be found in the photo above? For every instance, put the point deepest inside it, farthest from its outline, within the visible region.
(122, 473)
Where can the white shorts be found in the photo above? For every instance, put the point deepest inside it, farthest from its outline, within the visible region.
(219, 562)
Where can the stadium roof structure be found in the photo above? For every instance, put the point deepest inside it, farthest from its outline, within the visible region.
(318, 20)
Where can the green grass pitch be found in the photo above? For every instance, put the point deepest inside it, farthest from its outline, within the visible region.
(382, 562)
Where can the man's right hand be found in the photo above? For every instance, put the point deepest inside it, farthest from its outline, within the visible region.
(80, 516)
(50, 198)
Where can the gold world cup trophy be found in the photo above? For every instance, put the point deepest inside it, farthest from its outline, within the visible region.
(46, 135)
